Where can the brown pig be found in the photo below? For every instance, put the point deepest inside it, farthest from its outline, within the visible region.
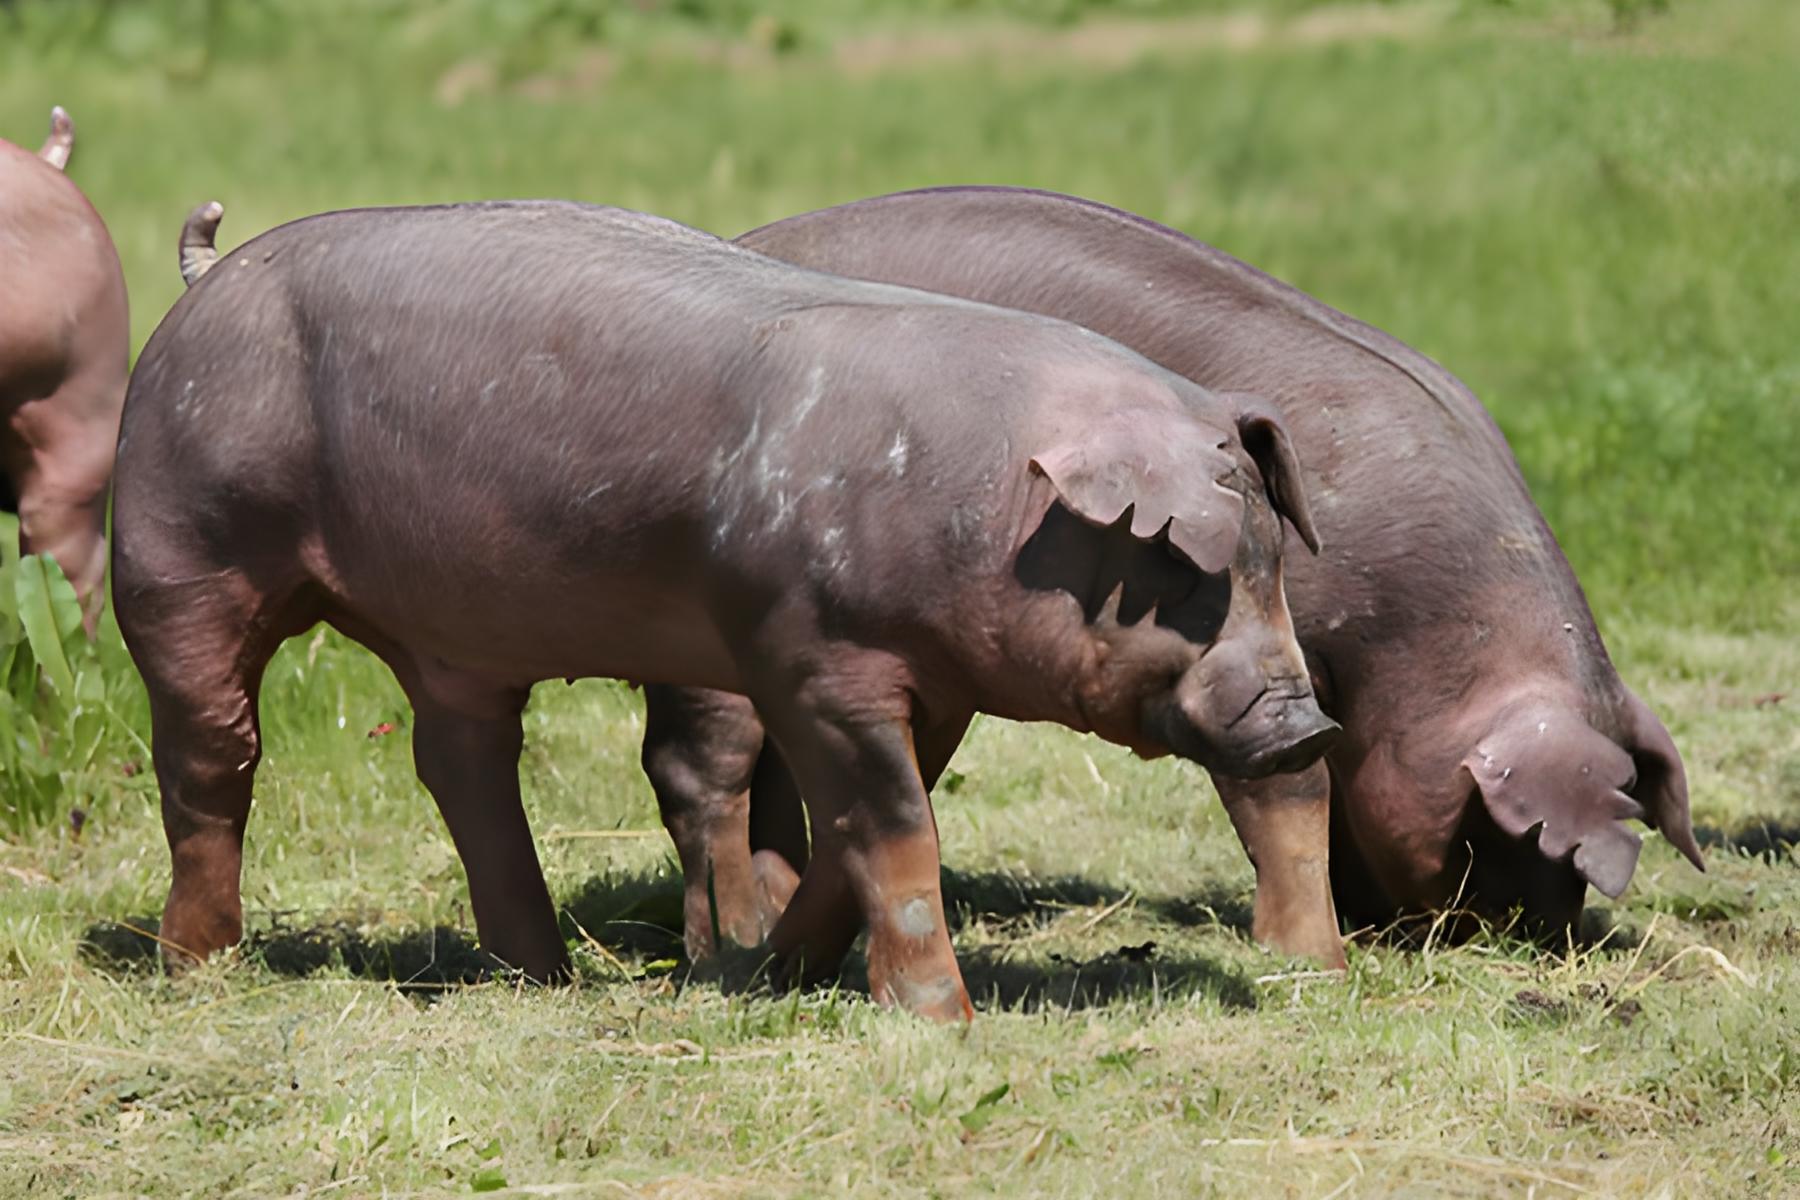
(500, 443)
(64, 341)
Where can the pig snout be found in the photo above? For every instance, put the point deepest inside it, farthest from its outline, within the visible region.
(1251, 714)
(1289, 731)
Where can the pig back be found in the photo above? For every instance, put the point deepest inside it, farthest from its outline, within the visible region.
(597, 412)
(1420, 504)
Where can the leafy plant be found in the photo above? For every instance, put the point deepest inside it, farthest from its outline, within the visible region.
(63, 696)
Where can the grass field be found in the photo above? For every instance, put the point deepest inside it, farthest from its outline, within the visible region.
(1591, 212)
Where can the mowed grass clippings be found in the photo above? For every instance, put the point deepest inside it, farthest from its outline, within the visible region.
(1587, 211)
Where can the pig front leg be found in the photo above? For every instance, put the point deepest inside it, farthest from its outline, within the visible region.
(1284, 822)
(778, 842)
(701, 750)
(875, 852)
(467, 755)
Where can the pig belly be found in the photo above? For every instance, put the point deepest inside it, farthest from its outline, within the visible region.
(534, 627)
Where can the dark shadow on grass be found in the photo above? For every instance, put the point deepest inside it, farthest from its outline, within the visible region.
(1598, 928)
(632, 917)
(642, 913)
(424, 959)
(435, 958)
(1768, 838)
(1221, 907)
(997, 984)
(121, 947)
(995, 981)
(1070, 985)
(636, 915)
(1000, 897)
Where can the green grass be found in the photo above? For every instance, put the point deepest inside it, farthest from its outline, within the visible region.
(1590, 214)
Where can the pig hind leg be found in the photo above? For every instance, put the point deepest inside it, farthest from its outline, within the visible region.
(779, 848)
(700, 753)
(466, 740)
(201, 640)
(60, 491)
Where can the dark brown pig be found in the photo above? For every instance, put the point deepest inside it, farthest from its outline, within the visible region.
(64, 341)
(1442, 623)
(501, 443)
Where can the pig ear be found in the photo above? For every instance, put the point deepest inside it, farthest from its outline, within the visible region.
(1662, 780)
(1163, 468)
(61, 142)
(1266, 439)
(1543, 767)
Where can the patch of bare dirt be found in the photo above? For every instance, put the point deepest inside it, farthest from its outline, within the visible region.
(1114, 43)
(1109, 44)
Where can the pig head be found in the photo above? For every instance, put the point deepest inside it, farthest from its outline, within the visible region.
(1199, 563)
(1512, 810)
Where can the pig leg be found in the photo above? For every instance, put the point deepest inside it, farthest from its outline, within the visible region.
(875, 858)
(778, 818)
(467, 755)
(201, 641)
(700, 752)
(61, 487)
(779, 848)
(1284, 822)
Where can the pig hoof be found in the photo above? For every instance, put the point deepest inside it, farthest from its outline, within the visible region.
(936, 998)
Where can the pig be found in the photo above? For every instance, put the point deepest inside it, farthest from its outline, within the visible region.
(1491, 753)
(64, 343)
(506, 442)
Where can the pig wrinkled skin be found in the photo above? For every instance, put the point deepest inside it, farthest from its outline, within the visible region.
(64, 344)
(501, 443)
(1490, 753)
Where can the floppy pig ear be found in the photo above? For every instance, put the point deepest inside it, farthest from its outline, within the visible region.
(1161, 465)
(1266, 439)
(1541, 766)
(1662, 780)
